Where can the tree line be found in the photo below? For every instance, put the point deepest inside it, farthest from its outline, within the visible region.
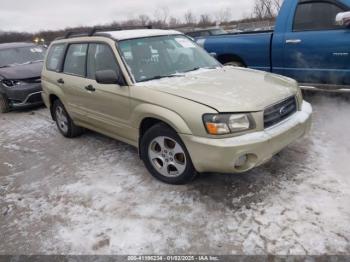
(162, 18)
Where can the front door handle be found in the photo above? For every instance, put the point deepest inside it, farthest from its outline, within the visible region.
(293, 41)
(60, 81)
(90, 88)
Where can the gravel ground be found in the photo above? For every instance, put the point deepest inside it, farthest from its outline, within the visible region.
(92, 195)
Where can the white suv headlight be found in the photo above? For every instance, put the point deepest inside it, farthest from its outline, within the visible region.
(223, 124)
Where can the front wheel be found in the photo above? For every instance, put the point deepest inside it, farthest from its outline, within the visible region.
(165, 156)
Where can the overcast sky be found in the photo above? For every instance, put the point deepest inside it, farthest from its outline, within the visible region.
(36, 15)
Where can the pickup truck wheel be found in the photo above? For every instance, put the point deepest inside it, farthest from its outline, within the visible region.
(64, 122)
(166, 157)
(4, 104)
(234, 63)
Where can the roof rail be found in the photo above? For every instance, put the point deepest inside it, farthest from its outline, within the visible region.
(99, 29)
(71, 34)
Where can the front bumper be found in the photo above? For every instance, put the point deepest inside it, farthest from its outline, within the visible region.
(221, 155)
(24, 95)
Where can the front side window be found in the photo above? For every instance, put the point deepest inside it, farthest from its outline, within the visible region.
(316, 16)
(100, 58)
(163, 56)
(54, 57)
(76, 60)
(21, 55)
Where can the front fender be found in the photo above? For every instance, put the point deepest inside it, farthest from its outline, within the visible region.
(169, 117)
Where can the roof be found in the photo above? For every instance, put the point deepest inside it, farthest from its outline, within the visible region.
(14, 45)
(140, 33)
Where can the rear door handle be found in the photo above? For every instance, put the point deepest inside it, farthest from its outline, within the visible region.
(90, 88)
(60, 81)
(293, 41)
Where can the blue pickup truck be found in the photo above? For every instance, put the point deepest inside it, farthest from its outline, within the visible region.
(310, 43)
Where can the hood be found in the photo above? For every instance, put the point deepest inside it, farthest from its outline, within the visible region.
(228, 89)
(18, 72)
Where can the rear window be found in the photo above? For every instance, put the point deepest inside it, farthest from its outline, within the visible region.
(54, 58)
(75, 63)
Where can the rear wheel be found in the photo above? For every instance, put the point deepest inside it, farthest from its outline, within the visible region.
(165, 156)
(64, 122)
(4, 104)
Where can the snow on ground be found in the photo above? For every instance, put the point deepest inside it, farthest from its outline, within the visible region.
(92, 195)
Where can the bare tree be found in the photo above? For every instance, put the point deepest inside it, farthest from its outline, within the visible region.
(190, 18)
(263, 9)
(224, 15)
(174, 22)
(277, 5)
(266, 8)
(205, 20)
(144, 19)
(162, 15)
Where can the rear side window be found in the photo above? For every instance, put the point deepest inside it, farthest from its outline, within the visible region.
(75, 63)
(54, 57)
(316, 16)
(100, 57)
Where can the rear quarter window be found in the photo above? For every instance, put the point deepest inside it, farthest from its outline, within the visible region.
(54, 57)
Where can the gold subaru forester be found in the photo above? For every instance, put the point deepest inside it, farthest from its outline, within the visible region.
(160, 92)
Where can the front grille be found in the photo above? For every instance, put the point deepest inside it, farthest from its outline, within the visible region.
(279, 112)
(36, 98)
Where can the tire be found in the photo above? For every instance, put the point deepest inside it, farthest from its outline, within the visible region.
(64, 123)
(165, 156)
(234, 63)
(4, 104)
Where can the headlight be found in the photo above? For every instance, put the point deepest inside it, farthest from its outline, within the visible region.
(223, 124)
(11, 83)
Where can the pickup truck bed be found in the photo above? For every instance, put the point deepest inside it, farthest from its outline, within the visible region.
(307, 45)
(256, 44)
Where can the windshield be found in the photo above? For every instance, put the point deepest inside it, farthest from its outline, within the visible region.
(164, 56)
(21, 55)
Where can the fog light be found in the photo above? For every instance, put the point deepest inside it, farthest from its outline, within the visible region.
(242, 160)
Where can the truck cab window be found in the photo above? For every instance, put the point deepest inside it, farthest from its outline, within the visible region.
(316, 16)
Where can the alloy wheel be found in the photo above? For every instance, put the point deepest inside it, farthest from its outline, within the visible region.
(167, 156)
(62, 119)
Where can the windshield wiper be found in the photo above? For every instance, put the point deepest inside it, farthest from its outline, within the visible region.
(36, 61)
(160, 77)
(193, 69)
(198, 67)
(30, 62)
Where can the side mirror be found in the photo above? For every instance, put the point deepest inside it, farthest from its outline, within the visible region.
(343, 19)
(107, 77)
